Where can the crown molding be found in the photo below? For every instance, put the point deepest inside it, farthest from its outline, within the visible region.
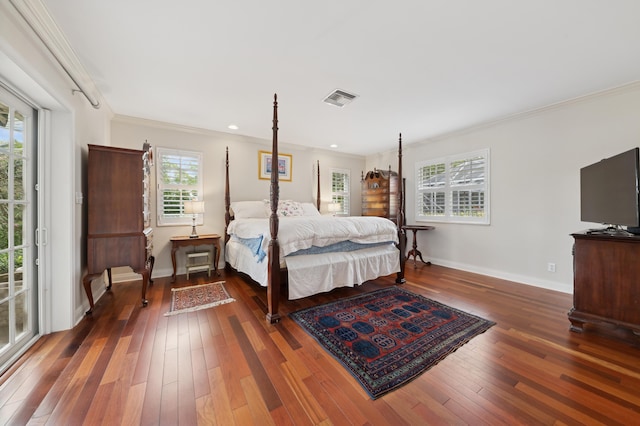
(40, 21)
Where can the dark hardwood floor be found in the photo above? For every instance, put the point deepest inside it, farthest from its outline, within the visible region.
(224, 365)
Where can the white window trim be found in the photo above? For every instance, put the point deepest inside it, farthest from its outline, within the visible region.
(448, 218)
(346, 194)
(183, 219)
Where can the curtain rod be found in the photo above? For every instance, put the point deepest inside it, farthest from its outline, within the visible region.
(45, 28)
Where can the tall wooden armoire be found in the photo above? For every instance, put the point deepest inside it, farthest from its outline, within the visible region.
(380, 194)
(119, 229)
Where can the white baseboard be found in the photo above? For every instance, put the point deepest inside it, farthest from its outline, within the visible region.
(522, 279)
(532, 281)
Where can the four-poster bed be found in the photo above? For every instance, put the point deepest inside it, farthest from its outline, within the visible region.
(321, 252)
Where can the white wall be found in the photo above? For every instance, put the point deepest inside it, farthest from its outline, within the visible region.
(535, 160)
(535, 200)
(72, 124)
(27, 67)
(130, 132)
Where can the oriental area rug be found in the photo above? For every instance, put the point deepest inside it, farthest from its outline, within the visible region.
(388, 337)
(196, 297)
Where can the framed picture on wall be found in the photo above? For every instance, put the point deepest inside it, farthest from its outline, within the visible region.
(284, 166)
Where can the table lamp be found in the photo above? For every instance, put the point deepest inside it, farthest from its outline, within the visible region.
(334, 207)
(194, 208)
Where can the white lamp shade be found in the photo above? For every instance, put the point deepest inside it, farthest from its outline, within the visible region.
(334, 207)
(193, 207)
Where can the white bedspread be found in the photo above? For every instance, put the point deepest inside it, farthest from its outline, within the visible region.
(302, 232)
(311, 274)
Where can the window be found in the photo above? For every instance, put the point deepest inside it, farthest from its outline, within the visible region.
(454, 189)
(340, 190)
(179, 177)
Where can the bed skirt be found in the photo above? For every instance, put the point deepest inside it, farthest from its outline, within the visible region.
(312, 274)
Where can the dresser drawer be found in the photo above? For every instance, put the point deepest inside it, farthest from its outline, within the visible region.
(376, 198)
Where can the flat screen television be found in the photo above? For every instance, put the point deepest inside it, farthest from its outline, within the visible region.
(609, 191)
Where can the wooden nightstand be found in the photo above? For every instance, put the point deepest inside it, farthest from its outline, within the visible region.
(186, 241)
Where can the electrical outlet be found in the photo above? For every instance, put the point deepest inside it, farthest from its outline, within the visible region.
(551, 267)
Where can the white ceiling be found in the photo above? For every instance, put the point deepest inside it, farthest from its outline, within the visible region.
(420, 67)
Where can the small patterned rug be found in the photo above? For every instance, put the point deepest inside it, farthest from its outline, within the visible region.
(388, 337)
(196, 297)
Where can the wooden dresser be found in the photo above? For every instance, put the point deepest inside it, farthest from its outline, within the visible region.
(119, 229)
(380, 194)
(606, 287)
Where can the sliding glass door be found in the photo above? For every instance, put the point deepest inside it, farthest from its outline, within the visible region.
(18, 271)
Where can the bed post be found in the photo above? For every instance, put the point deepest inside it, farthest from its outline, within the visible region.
(273, 286)
(402, 237)
(227, 206)
(227, 198)
(318, 191)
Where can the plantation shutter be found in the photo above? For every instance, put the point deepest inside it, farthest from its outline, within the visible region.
(467, 182)
(430, 183)
(454, 189)
(340, 185)
(179, 177)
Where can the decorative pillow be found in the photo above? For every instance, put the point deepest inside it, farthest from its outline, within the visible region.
(286, 208)
(248, 209)
(309, 209)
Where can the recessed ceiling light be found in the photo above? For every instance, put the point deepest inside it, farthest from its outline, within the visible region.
(233, 127)
(333, 145)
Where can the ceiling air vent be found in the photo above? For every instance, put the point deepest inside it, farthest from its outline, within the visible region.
(339, 98)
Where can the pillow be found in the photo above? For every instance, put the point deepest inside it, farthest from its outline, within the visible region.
(286, 208)
(309, 209)
(248, 209)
